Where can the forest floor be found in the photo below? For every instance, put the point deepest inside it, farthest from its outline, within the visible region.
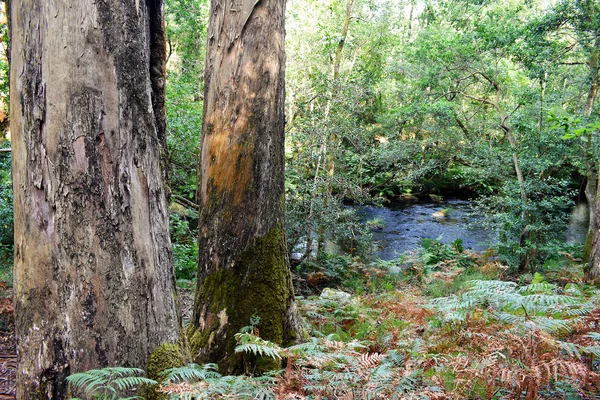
(8, 350)
(437, 323)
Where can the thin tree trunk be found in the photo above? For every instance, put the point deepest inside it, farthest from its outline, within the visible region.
(514, 148)
(243, 266)
(593, 68)
(340, 46)
(591, 250)
(517, 166)
(94, 281)
(327, 156)
(594, 256)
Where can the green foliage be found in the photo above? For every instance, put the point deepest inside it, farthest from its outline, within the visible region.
(434, 253)
(108, 383)
(186, 22)
(314, 213)
(541, 305)
(6, 216)
(204, 382)
(527, 243)
(185, 248)
(249, 343)
(190, 372)
(573, 127)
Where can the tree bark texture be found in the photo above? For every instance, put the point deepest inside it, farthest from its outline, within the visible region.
(594, 266)
(591, 250)
(243, 265)
(94, 279)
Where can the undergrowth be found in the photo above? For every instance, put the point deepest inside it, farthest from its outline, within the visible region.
(439, 323)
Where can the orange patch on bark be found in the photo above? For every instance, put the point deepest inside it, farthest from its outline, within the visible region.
(227, 165)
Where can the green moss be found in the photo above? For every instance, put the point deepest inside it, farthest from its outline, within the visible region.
(259, 283)
(165, 356)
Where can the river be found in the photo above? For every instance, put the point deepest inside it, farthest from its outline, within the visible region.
(403, 226)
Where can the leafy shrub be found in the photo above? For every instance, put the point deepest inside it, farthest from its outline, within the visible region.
(6, 215)
(185, 248)
(526, 243)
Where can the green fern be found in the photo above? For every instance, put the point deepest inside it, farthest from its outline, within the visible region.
(249, 343)
(595, 336)
(203, 382)
(108, 383)
(538, 305)
(190, 373)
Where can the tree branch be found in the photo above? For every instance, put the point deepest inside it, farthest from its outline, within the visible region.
(185, 202)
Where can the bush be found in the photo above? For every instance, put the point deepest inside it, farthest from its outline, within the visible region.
(6, 212)
(527, 243)
(185, 248)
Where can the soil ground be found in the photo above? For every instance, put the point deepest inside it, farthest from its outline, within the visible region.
(8, 351)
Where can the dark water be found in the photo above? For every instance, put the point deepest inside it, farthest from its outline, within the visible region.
(405, 226)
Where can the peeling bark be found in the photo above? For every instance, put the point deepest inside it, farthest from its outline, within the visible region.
(243, 267)
(94, 280)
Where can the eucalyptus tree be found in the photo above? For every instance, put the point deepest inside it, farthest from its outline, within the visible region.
(243, 270)
(93, 275)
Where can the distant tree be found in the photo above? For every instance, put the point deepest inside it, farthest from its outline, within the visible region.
(575, 25)
(94, 283)
(243, 267)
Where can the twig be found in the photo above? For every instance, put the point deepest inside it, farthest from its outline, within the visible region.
(186, 203)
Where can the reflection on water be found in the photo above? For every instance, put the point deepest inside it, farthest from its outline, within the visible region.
(405, 226)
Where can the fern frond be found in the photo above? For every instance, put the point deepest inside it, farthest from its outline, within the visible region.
(418, 347)
(545, 300)
(592, 350)
(396, 358)
(572, 349)
(190, 373)
(85, 381)
(249, 343)
(594, 335)
(554, 326)
(371, 360)
(130, 382)
(539, 288)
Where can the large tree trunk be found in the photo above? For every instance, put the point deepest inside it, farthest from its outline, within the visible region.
(243, 266)
(94, 281)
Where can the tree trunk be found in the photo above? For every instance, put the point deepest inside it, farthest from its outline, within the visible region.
(94, 280)
(243, 266)
(594, 266)
(591, 249)
(340, 46)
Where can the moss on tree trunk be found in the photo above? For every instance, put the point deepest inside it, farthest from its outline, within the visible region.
(258, 284)
(242, 262)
